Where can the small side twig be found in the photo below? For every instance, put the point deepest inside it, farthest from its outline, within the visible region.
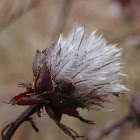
(33, 124)
(12, 127)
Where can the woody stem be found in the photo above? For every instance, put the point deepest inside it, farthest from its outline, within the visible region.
(12, 127)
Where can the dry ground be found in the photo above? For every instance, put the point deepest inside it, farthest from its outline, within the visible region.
(34, 24)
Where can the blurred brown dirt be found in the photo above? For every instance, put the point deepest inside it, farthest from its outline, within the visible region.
(35, 24)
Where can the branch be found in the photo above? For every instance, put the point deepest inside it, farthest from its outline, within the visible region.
(15, 16)
(115, 126)
(12, 127)
(63, 16)
(134, 30)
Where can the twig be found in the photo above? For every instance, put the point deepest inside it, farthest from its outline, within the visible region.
(122, 37)
(63, 15)
(12, 127)
(118, 124)
(33, 124)
(18, 15)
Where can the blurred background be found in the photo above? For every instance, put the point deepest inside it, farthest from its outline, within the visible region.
(28, 25)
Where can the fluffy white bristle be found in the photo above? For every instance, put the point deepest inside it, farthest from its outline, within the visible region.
(93, 66)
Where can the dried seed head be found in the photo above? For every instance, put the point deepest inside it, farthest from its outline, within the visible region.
(93, 66)
(77, 71)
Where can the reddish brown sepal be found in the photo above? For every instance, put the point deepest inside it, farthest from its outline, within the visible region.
(30, 100)
(44, 80)
(21, 95)
(36, 63)
(66, 87)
